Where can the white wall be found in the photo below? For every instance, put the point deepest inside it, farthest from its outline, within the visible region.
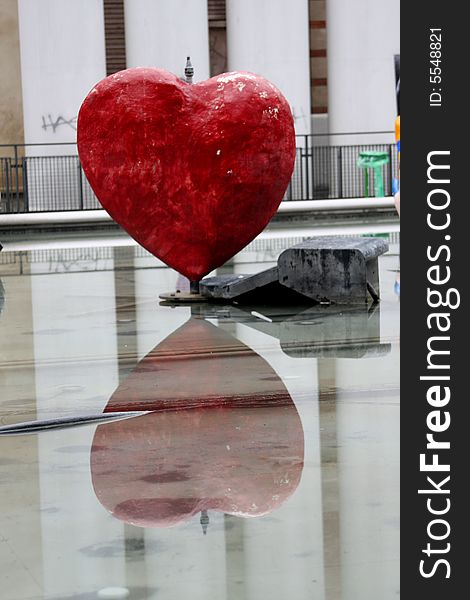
(62, 57)
(162, 33)
(362, 39)
(271, 38)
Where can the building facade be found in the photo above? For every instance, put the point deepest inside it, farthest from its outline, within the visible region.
(333, 59)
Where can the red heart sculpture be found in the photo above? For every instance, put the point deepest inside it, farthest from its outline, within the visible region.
(192, 172)
(225, 434)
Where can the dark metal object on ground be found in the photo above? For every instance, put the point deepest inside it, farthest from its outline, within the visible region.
(336, 269)
(182, 297)
(63, 422)
(194, 287)
(319, 331)
(228, 287)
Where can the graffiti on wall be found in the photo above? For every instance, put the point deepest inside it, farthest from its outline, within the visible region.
(48, 123)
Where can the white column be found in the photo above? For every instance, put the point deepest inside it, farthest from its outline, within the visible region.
(362, 39)
(162, 33)
(271, 38)
(62, 57)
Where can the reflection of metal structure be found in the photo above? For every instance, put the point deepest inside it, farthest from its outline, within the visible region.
(302, 330)
(204, 520)
(315, 331)
(2, 293)
(320, 332)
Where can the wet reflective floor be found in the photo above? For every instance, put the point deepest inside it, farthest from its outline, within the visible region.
(263, 461)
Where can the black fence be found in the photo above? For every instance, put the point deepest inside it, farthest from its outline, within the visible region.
(36, 183)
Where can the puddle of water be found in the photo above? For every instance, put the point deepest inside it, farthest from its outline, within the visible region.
(267, 465)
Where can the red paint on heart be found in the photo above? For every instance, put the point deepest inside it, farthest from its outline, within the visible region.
(192, 172)
(225, 434)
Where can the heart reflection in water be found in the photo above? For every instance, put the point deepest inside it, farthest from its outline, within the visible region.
(223, 434)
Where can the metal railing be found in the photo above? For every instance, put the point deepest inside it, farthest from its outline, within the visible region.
(31, 181)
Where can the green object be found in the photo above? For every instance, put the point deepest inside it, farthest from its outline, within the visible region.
(373, 159)
(384, 236)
